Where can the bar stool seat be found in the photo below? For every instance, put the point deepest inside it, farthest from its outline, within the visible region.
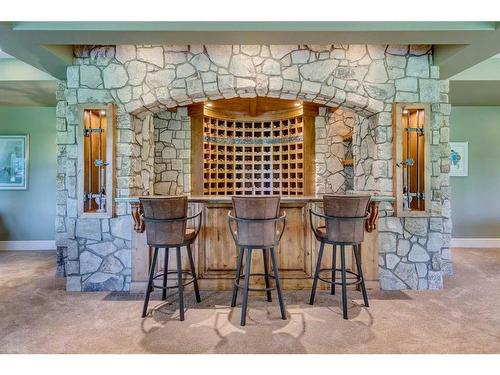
(344, 226)
(166, 227)
(322, 232)
(256, 225)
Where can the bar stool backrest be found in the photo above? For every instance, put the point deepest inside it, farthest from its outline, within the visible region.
(255, 234)
(349, 212)
(164, 233)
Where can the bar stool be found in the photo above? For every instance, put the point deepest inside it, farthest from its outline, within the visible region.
(166, 219)
(256, 225)
(344, 218)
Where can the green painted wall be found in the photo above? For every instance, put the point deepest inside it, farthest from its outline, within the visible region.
(475, 200)
(30, 214)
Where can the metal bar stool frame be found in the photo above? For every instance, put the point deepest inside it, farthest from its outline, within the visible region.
(248, 261)
(356, 247)
(179, 272)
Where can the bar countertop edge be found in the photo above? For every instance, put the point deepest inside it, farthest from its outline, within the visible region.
(227, 199)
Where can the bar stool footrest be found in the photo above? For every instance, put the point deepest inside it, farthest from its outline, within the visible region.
(236, 282)
(328, 281)
(160, 275)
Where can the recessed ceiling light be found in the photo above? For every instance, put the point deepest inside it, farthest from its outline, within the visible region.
(103, 112)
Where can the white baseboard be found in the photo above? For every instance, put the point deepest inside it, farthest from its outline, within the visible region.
(28, 245)
(476, 242)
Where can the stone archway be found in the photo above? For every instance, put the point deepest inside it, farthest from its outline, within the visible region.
(166, 163)
(173, 76)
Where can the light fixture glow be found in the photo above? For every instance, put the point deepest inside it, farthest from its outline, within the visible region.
(209, 104)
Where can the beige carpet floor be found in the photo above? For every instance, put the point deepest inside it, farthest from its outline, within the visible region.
(38, 316)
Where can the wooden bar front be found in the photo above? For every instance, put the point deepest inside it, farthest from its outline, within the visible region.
(215, 252)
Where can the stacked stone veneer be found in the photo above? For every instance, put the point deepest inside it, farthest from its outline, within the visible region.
(146, 80)
(331, 150)
(172, 152)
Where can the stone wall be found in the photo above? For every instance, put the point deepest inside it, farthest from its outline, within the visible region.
(415, 252)
(145, 80)
(142, 138)
(368, 155)
(331, 150)
(93, 254)
(172, 152)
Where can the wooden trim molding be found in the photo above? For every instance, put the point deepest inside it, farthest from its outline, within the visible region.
(195, 112)
(310, 111)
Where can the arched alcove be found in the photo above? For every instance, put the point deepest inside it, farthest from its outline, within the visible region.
(171, 164)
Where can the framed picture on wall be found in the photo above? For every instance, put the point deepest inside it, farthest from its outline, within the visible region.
(459, 159)
(14, 162)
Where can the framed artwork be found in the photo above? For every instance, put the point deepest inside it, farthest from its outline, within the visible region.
(459, 159)
(14, 162)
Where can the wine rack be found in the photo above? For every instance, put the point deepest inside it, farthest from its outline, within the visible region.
(253, 157)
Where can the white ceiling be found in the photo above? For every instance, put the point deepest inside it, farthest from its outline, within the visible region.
(4, 55)
(28, 93)
(28, 87)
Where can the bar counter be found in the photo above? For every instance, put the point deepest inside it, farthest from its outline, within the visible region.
(227, 199)
(215, 253)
